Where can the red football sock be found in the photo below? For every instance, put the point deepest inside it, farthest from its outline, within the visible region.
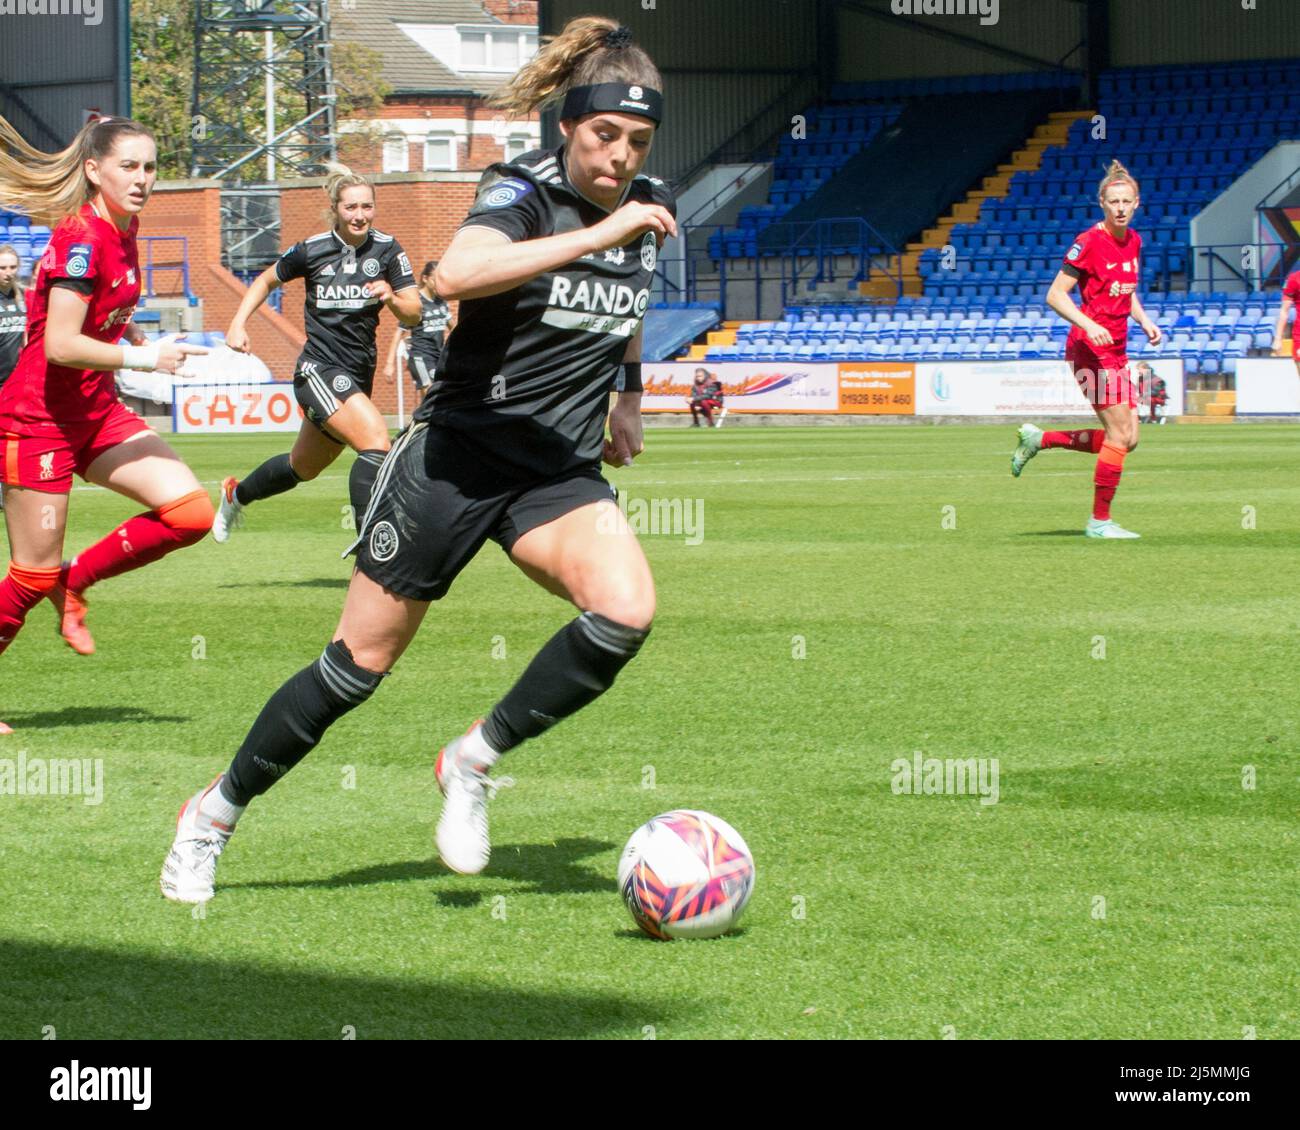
(141, 540)
(1090, 439)
(21, 591)
(1110, 465)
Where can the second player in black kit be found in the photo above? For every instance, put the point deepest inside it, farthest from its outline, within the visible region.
(552, 269)
(427, 337)
(13, 314)
(342, 319)
(349, 272)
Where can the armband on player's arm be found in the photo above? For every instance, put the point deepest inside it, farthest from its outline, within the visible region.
(632, 376)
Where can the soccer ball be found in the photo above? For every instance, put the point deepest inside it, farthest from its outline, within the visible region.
(686, 874)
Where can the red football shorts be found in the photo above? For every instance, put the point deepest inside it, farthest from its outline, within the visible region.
(49, 460)
(1104, 378)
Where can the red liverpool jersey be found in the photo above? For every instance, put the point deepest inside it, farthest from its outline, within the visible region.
(1292, 291)
(1292, 288)
(1108, 278)
(101, 261)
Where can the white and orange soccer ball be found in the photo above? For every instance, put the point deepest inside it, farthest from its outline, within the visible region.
(686, 874)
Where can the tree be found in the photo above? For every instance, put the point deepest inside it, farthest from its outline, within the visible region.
(162, 77)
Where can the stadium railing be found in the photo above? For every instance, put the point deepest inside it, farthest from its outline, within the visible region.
(274, 300)
(151, 244)
(797, 254)
(1211, 266)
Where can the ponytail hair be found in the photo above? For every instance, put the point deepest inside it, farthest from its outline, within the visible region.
(589, 51)
(1116, 174)
(48, 187)
(341, 177)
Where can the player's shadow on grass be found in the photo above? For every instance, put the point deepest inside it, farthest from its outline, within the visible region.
(94, 993)
(1051, 533)
(89, 716)
(549, 869)
(302, 583)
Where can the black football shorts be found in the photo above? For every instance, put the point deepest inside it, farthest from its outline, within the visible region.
(436, 501)
(321, 389)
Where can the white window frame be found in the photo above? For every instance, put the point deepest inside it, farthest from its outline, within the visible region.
(516, 145)
(391, 166)
(524, 35)
(450, 139)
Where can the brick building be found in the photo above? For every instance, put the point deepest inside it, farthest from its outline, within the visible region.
(440, 59)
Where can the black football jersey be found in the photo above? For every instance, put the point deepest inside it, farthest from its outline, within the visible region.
(427, 338)
(341, 318)
(526, 374)
(13, 320)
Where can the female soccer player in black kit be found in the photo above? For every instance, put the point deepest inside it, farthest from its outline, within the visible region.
(507, 446)
(13, 313)
(349, 271)
(426, 338)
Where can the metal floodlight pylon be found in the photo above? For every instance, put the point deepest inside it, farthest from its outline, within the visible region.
(263, 108)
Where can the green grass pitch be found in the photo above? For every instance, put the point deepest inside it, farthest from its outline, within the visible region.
(835, 616)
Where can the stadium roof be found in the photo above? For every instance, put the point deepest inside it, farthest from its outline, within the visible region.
(407, 67)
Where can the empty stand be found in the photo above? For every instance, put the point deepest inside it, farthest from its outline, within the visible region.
(979, 275)
(1210, 332)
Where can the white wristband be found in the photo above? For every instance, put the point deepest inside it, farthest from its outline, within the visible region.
(140, 356)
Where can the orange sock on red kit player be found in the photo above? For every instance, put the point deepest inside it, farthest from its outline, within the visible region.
(1110, 463)
(1088, 439)
(21, 591)
(140, 540)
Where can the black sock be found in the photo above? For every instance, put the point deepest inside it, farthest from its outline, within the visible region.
(273, 477)
(295, 719)
(361, 480)
(576, 666)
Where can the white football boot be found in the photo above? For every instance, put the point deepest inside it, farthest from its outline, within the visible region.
(230, 514)
(462, 835)
(1097, 528)
(191, 865)
(1029, 441)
